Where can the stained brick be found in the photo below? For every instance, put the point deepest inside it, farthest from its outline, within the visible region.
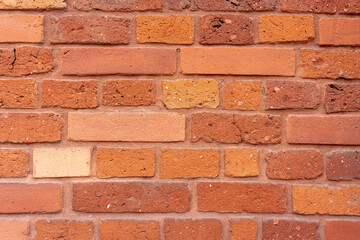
(342, 97)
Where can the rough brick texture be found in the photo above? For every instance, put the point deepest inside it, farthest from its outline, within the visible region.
(14, 163)
(343, 165)
(290, 229)
(234, 5)
(323, 6)
(35, 5)
(241, 162)
(18, 94)
(342, 98)
(245, 229)
(131, 230)
(242, 95)
(63, 229)
(111, 6)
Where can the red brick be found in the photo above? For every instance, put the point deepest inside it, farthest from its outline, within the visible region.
(335, 230)
(90, 30)
(341, 130)
(343, 165)
(23, 61)
(127, 127)
(234, 5)
(21, 28)
(129, 93)
(290, 229)
(204, 229)
(244, 229)
(235, 128)
(339, 31)
(30, 127)
(14, 163)
(323, 6)
(87, 61)
(69, 94)
(105, 5)
(129, 230)
(342, 97)
(131, 197)
(291, 95)
(189, 163)
(294, 164)
(33, 5)
(17, 94)
(226, 29)
(341, 200)
(63, 230)
(242, 61)
(30, 198)
(340, 64)
(241, 197)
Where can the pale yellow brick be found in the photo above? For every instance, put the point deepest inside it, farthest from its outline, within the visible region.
(32, 4)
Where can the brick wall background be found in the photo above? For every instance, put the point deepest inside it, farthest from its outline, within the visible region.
(179, 119)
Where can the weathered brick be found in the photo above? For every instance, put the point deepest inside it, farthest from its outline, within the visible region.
(290, 229)
(339, 31)
(90, 30)
(226, 29)
(130, 230)
(87, 61)
(189, 163)
(21, 28)
(17, 94)
(26, 60)
(165, 29)
(131, 197)
(244, 229)
(178, 4)
(30, 198)
(323, 6)
(242, 61)
(342, 200)
(335, 230)
(110, 6)
(128, 127)
(203, 229)
(30, 127)
(112, 162)
(340, 64)
(294, 164)
(14, 163)
(43, 4)
(61, 162)
(342, 130)
(63, 229)
(14, 229)
(343, 165)
(241, 162)
(278, 28)
(291, 95)
(234, 5)
(342, 97)
(129, 93)
(242, 95)
(191, 93)
(241, 197)
(69, 94)
(235, 128)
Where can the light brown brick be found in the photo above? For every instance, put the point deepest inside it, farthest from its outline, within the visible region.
(43, 4)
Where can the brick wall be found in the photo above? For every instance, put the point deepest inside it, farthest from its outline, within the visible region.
(179, 119)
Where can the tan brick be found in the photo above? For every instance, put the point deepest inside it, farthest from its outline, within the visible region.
(339, 31)
(42, 4)
(241, 162)
(14, 230)
(14, 163)
(18, 94)
(191, 93)
(242, 229)
(129, 230)
(61, 162)
(242, 95)
(165, 29)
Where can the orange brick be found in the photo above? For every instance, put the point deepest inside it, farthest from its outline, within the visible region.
(242, 95)
(244, 229)
(110, 6)
(86, 61)
(339, 31)
(342, 200)
(189, 163)
(63, 230)
(242, 61)
(18, 94)
(13, 229)
(130, 230)
(342, 130)
(128, 127)
(241, 162)
(278, 28)
(14, 163)
(30, 198)
(335, 230)
(191, 93)
(165, 29)
(69, 94)
(21, 28)
(43, 4)
(112, 162)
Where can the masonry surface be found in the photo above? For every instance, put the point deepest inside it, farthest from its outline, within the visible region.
(180, 119)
